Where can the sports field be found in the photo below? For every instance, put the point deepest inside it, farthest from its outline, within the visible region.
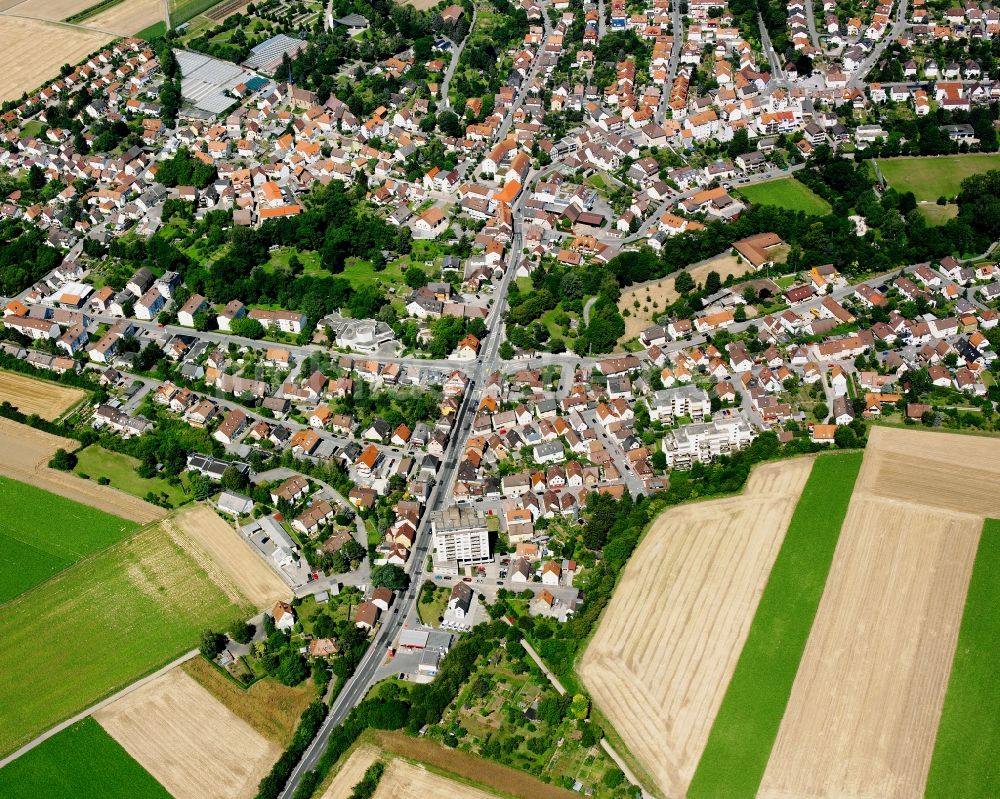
(667, 645)
(785, 193)
(737, 750)
(82, 760)
(49, 400)
(101, 625)
(935, 176)
(188, 740)
(41, 534)
(965, 763)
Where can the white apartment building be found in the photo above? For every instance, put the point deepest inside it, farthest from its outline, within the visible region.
(460, 538)
(669, 403)
(706, 441)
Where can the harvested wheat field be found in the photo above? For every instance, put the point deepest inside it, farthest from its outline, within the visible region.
(127, 17)
(31, 52)
(188, 740)
(351, 772)
(863, 713)
(48, 400)
(226, 557)
(53, 10)
(663, 294)
(665, 650)
(403, 780)
(24, 456)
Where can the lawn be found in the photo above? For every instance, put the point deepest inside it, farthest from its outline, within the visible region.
(431, 612)
(41, 534)
(786, 193)
(965, 762)
(935, 176)
(740, 742)
(95, 462)
(937, 214)
(99, 626)
(82, 760)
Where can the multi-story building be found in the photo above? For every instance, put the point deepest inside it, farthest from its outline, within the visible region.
(460, 538)
(706, 441)
(669, 403)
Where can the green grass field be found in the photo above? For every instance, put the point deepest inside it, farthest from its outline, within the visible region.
(786, 193)
(99, 626)
(82, 760)
(183, 10)
(937, 214)
(154, 31)
(936, 176)
(41, 534)
(740, 742)
(965, 763)
(95, 462)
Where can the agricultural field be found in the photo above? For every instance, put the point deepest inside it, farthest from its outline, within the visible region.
(52, 10)
(26, 66)
(350, 772)
(270, 708)
(104, 623)
(667, 645)
(737, 749)
(122, 470)
(938, 176)
(225, 556)
(654, 297)
(41, 534)
(25, 458)
(183, 10)
(785, 193)
(866, 703)
(82, 760)
(127, 17)
(48, 400)
(965, 765)
(189, 741)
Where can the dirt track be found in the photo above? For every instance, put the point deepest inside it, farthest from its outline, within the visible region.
(48, 400)
(229, 559)
(192, 744)
(864, 709)
(667, 645)
(24, 456)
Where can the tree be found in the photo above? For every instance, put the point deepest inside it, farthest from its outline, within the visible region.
(845, 438)
(212, 643)
(63, 460)
(292, 669)
(242, 631)
(506, 350)
(415, 277)
(683, 283)
(390, 576)
(712, 282)
(234, 479)
(36, 178)
(247, 328)
(820, 411)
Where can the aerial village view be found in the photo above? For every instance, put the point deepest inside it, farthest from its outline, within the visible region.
(505, 399)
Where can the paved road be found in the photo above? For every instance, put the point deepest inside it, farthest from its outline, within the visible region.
(489, 361)
(456, 54)
(898, 28)
(94, 708)
(811, 23)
